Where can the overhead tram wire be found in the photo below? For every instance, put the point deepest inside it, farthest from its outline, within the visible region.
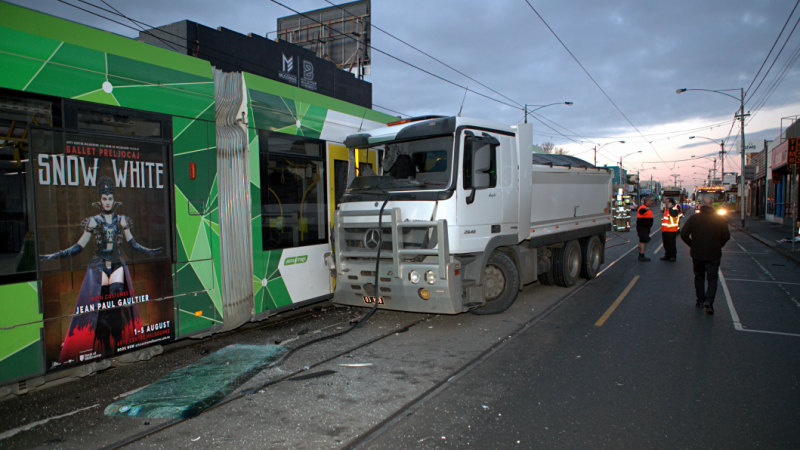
(374, 105)
(586, 71)
(141, 28)
(228, 58)
(427, 72)
(465, 88)
(775, 83)
(372, 24)
(766, 58)
(221, 55)
(173, 46)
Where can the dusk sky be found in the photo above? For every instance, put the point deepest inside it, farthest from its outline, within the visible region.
(619, 62)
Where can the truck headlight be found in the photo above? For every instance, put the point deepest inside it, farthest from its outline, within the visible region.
(414, 277)
(430, 277)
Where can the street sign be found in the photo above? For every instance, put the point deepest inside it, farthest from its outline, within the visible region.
(794, 151)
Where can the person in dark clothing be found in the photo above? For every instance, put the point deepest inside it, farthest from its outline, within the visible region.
(644, 221)
(705, 233)
(403, 168)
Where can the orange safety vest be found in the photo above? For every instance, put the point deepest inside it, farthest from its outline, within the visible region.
(669, 222)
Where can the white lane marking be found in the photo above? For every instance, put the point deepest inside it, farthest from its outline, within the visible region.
(762, 281)
(769, 274)
(737, 324)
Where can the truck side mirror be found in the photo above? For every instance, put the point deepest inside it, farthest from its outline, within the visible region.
(479, 162)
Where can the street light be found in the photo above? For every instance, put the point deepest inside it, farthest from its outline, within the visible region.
(721, 157)
(741, 116)
(601, 146)
(538, 107)
(619, 183)
(715, 167)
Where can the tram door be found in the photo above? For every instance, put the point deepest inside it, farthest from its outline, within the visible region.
(337, 174)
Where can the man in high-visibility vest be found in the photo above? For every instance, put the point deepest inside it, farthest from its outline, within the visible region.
(670, 226)
(644, 221)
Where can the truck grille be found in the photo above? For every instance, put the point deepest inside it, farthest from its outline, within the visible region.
(357, 236)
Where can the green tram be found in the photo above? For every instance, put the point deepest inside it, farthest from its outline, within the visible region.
(718, 199)
(146, 196)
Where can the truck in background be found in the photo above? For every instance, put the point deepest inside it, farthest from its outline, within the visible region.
(459, 214)
(673, 192)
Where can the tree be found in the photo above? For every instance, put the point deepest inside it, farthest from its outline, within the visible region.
(549, 147)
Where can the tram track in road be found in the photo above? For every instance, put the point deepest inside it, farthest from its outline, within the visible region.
(261, 388)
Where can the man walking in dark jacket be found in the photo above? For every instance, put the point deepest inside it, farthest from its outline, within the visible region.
(705, 233)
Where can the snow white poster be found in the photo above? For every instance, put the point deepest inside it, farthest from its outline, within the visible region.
(103, 216)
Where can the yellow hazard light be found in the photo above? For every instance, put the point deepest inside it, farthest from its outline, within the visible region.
(424, 294)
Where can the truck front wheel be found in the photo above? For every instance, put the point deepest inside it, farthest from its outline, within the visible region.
(500, 284)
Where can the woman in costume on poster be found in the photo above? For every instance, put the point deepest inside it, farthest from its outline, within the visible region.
(107, 279)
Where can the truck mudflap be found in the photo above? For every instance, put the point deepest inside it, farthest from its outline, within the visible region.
(416, 272)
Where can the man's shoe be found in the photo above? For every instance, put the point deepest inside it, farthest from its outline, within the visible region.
(664, 258)
(709, 309)
(672, 259)
(698, 304)
(643, 258)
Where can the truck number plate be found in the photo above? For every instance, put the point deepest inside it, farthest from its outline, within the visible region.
(372, 300)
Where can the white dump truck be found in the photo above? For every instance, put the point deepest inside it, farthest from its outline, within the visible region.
(457, 214)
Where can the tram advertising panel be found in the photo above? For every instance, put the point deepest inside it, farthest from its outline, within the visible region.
(103, 238)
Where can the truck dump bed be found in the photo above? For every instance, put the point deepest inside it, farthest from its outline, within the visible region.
(568, 194)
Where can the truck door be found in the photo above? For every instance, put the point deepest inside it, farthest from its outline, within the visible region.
(479, 189)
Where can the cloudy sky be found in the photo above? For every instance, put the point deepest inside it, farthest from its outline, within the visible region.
(620, 62)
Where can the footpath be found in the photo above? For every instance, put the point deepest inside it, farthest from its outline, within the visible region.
(774, 235)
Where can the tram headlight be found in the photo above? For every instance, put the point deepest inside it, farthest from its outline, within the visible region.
(430, 277)
(414, 277)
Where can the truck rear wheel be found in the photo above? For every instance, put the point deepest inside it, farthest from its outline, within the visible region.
(592, 250)
(567, 264)
(500, 284)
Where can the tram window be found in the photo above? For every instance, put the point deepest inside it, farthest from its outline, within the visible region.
(17, 115)
(293, 207)
(113, 121)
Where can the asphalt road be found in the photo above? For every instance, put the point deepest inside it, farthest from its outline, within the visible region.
(658, 373)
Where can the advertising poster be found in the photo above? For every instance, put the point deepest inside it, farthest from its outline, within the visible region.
(104, 236)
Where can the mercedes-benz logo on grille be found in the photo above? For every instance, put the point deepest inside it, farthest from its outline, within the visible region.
(372, 238)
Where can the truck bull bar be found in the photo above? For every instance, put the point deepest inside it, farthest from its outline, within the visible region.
(349, 229)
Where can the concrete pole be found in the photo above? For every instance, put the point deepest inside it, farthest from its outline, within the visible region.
(741, 183)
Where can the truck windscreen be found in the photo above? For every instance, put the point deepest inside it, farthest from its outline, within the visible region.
(424, 164)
